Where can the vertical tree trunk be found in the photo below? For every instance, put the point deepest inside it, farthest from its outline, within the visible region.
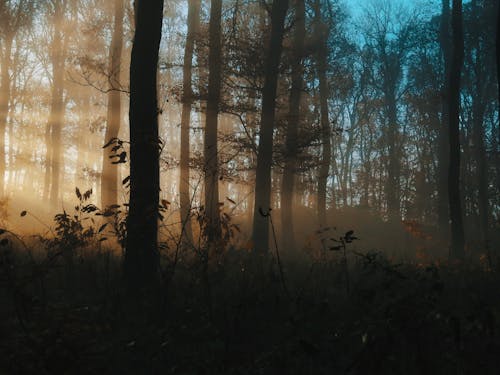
(187, 100)
(287, 186)
(498, 83)
(4, 105)
(109, 178)
(141, 266)
(321, 66)
(443, 145)
(262, 204)
(392, 190)
(481, 164)
(212, 229)
(457, 230)
(56, 116)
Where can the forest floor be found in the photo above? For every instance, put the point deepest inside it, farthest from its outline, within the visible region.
(65, 312)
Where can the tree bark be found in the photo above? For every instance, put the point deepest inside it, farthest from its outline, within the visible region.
(109, 178)
(212, 224)
(498, 86)
(392, 190)
(321, 66)
(187, 101)
(4, 105)
(443, 145)
(141, 266)
(57, 109)
(262, 203)
(291, 151)
(481, 163)
(455, 206)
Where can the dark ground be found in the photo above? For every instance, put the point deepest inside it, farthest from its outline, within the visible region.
(65, 312)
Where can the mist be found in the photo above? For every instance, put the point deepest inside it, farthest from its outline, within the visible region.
(224, 136)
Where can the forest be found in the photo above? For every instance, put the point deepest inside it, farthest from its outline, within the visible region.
(249, 187)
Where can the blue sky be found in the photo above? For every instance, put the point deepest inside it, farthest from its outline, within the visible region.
(356, 6)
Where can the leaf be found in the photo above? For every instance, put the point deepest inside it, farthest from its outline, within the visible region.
(112, 140)
(23, 213)
(349, 233)
(87, 194)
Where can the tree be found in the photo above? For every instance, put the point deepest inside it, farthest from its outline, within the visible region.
(262, 202)
(109, 180)
(389, 35)
(13, 16)
(141, 265)
(57, 106)
(443, 145)
(288, 181)
(321, 67)
(455, 206)
(211, 167)
(187, 100)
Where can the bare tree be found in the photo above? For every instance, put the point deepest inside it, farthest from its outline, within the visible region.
(443, 145)
(288, 181)
(13, 16)
(109, 179)
(455, 206)
(322, 32)
(57, 106)
(187, 100)
(141, 265)
(262, 204)
(211, 168)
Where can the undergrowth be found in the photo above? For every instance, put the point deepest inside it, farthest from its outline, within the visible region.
(343, 311)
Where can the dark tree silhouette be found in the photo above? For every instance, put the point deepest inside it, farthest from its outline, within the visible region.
(288, 181)
(322, 31)
(187, 100)
(141, 256)
(109, 181)
(262, 204)
(457, 230)
(443, 145)
(12, 18)
(57, 107)
(212, 229)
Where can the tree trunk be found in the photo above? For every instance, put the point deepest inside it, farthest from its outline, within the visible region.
(4, 105)
(109, 178)
(443, 145)
(187, 100)
(481, 164)
(457, 230)
(321, 63)
(57, 109)
(141, 266)
(212, 224)
(498, 85)
(287, 186)
(262, 204)
(392, 190)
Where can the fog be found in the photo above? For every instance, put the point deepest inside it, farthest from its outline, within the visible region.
(249, 187)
